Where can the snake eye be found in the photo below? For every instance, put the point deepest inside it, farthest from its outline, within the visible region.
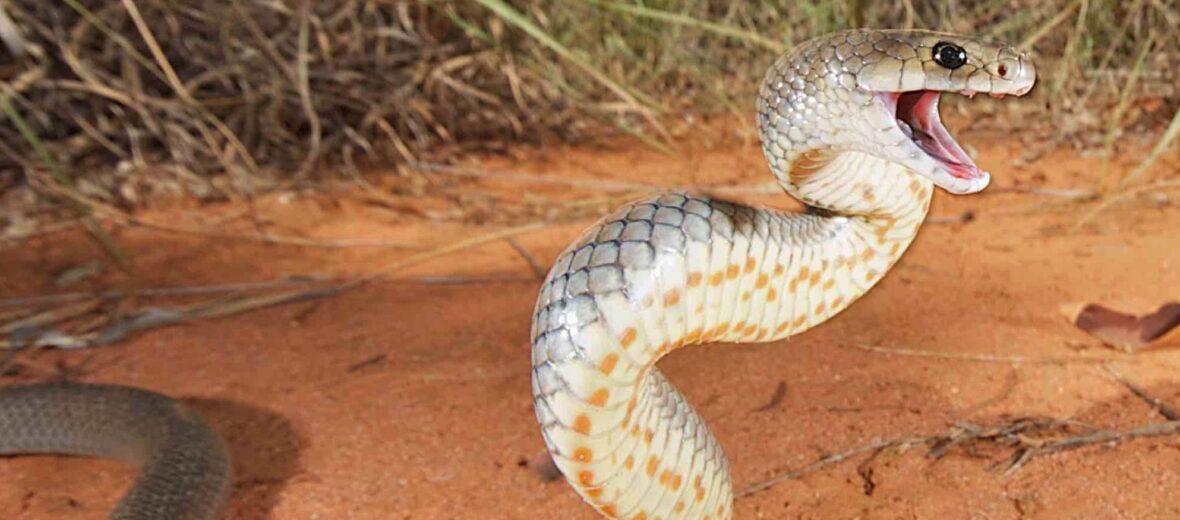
(949, 55)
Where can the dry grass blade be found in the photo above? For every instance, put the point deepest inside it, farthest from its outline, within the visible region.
(51, 316)
(267, 238)
(1120, 111)
(1122, 196)
(677, 18)
(982, 358)
(638, 102)
(1160, 147)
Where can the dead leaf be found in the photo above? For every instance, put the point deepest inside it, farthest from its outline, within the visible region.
(1127, 331)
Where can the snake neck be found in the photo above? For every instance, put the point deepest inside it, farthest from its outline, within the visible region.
(862, 214)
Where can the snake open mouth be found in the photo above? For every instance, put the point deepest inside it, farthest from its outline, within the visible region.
(917, 116)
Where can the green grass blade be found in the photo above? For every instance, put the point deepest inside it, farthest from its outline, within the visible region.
(107, 242)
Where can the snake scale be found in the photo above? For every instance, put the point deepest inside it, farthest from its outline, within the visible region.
(849, 124)
(185, 473)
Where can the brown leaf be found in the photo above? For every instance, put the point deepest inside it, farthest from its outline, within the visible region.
(1127, 331)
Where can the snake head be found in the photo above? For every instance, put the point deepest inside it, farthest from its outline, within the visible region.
(877, 92)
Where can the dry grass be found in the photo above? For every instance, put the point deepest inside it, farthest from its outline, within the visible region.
(135, 99)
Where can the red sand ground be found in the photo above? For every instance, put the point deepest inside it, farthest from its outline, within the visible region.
(409, 400)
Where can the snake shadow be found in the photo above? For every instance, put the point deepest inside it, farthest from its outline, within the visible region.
(264, 450)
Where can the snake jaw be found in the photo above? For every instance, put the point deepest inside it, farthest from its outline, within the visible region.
(934, 152)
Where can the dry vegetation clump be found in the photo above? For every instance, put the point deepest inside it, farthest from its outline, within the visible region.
(117, 102)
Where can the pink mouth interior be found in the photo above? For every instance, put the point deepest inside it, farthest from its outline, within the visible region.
(918, 111)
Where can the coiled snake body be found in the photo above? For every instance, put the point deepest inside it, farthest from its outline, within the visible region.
(849, 123)
(185, 472)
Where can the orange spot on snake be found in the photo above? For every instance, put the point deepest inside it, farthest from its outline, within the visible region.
(800, 321)
(870, 274)
(715, 280)
(583, 455)
(746, 296)
(666, 478)
(594, 492)
(628, 337)
(694, 278)
(763, 279)
(629, 463)
(671, 298)
(608, 363)
(839, 300)
(806, 165)
(648, 435)
(586, 477)
(732, 271)
(679, 508)
(599, 397)
(778, 269)
(829, 284)
(804, 272)
(894, 248)
(693, 336)
(701, 309)
(814, 279)
(782, 327)
(794, 284)
(771, 295)
(609, 510)
(640, 516)
(819, 309)
(750, 329)
(750, 264)
(582, 424)
(867, 254)
(676, 483)
(652, 463)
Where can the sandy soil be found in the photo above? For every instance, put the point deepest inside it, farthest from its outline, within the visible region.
(405, 399)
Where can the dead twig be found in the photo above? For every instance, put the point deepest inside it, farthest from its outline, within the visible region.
(828, 460)
(1029, 438)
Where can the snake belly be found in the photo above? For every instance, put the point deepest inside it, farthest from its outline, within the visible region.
(185, 469)
(848, 128)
